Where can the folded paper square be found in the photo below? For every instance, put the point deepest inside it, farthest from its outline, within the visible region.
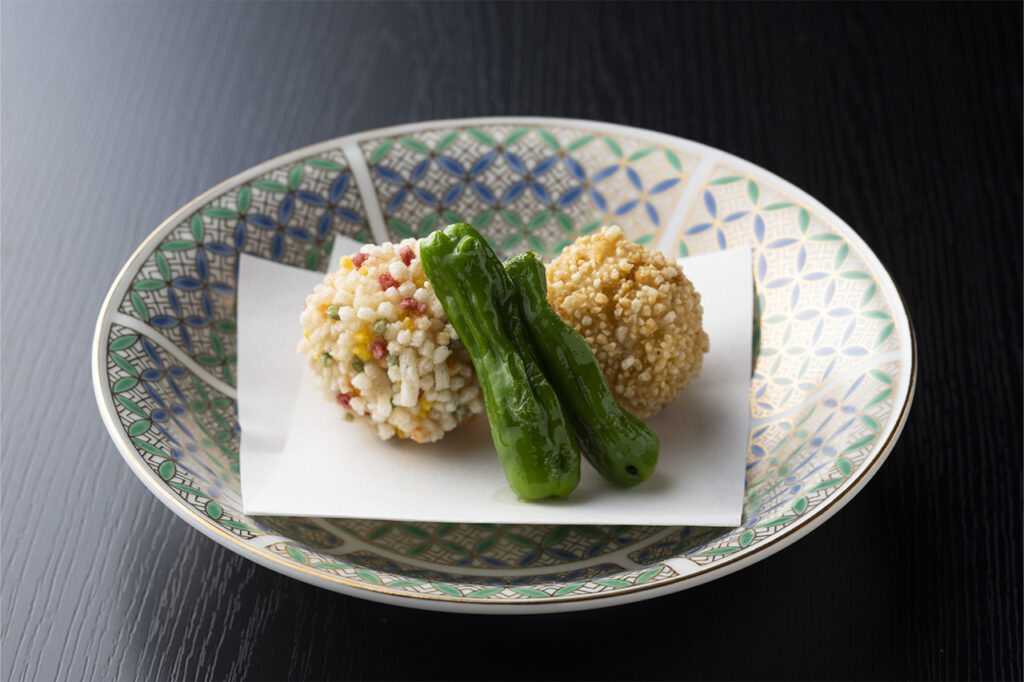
(300, 458)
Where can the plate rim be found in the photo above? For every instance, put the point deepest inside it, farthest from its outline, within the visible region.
(678, 583)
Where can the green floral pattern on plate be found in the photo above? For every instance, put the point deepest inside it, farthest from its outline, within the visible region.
(820, 310)
(526, 187)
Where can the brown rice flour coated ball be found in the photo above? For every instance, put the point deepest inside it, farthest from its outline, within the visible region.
(638, 313)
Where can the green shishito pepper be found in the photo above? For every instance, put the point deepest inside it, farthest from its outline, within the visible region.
(618, 444)
(531, 431)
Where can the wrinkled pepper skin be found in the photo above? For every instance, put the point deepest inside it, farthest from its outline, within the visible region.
(618, 444)
(532, 434)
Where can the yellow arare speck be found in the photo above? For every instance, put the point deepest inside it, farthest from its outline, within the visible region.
(425, 406)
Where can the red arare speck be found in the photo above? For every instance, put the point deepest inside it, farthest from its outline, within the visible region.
(359, 259)
(378, 350)
(411, 304)
(407, 255)
(387, 281)
(343, 399)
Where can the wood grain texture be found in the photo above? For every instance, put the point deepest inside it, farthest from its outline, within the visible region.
(904, 119)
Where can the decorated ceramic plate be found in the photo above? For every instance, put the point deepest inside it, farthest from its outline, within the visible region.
(831, 386)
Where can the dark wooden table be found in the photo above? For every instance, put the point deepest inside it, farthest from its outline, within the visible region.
(904, 119)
